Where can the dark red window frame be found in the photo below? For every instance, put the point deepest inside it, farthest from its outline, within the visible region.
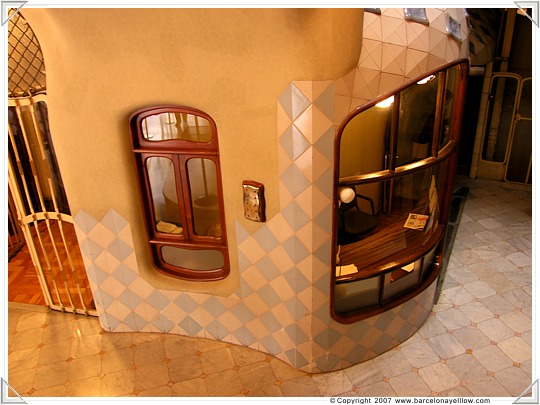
(180, 152)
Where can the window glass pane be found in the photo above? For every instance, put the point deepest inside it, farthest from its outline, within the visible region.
(416, 121)
(183, 126)
(164, 197)
(400, 280)
(452, 76)
(204, 197)
(360, 294)
(405, 215)
(205, 259)
(364, 141)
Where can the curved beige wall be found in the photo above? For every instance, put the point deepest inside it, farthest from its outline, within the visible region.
(103, 64)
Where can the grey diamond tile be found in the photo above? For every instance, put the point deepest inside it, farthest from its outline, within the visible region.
(271, 345)
(84, 221)
(242, 312)
(114, 221)
(295, 249)
(119, 249)
(294, 180)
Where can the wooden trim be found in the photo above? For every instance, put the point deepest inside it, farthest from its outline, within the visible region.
(381, 248)
(400, 171)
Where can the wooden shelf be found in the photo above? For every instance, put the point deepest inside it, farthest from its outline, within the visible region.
(391, 248)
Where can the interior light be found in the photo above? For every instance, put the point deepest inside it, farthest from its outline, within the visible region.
(346, 194)
(387, 102)
(426, 79)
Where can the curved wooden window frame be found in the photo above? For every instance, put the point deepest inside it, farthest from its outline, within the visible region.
(179, 151)
(439, 155)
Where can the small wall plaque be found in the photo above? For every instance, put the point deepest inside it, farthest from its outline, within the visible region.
(254, 203)
(417, 15)
(453, 28)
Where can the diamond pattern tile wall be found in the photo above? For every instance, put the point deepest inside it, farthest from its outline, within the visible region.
(282, 304)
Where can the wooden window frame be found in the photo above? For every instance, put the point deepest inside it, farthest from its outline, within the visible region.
(180, 152)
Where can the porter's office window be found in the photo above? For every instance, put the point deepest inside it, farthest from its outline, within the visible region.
(177, 161)
(395, 162)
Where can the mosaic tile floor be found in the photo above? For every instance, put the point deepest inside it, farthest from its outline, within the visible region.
(476, 342)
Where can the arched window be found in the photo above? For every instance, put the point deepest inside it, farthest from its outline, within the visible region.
(177, 160)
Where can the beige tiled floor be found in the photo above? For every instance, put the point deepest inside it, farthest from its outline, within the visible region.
(477, 341)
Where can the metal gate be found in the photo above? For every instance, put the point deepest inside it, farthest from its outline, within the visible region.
(41, 205)
(36, 193)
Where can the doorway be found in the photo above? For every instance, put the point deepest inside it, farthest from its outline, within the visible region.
(506, 152)
(47, 267)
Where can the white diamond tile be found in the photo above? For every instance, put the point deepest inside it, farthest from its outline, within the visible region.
(304, 202)
(125, 236)
(305, 164)
(84, 221)
(141, 288)
(282, 289)
(101, 235)
(254, 278)
(146, 311)
(306, 87)
(251, 249)
(321, 124)
(114, 221)
(304, 123)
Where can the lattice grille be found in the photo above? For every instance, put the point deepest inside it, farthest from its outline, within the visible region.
(26, 67)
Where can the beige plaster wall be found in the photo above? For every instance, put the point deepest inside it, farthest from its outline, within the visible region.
(104, 64)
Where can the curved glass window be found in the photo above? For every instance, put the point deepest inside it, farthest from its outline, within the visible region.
(394, 172)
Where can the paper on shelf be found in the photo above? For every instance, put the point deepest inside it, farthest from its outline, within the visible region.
(344, 270)
(416, 221)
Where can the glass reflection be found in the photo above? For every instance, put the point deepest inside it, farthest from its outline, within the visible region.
(416, 121)
(452, 76)
(183, 126)
(203, 189)
(165, 200)
(364, 142)
(192, 259)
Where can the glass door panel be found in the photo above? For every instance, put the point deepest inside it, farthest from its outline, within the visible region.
(204, 200)
(161, 176)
